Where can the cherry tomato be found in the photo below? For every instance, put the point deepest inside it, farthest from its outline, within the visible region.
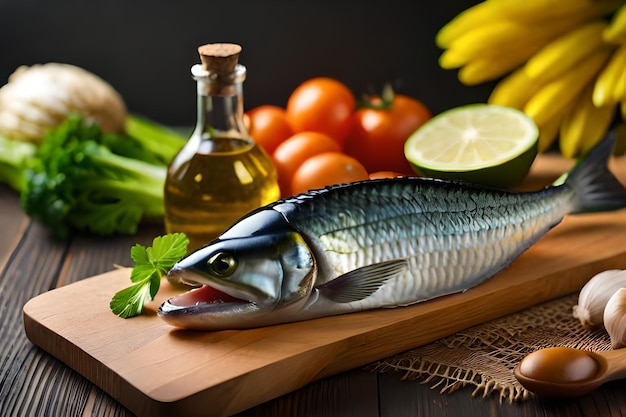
(327, 168)
(290, 154)
(385, 174)
(322, 105)
(378, 133)
(268, 126)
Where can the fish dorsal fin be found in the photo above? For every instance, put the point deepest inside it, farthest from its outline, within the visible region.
(362, 282)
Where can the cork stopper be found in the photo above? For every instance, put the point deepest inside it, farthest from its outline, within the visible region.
(220, 58)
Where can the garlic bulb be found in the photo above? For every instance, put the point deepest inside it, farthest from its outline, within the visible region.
(40, 97)
(615, 318)
(594, 296)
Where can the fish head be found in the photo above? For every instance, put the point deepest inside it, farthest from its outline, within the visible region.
(252, 275)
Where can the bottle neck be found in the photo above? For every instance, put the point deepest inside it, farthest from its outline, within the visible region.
(220, 104)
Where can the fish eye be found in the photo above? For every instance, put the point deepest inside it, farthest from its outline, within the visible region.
(222, 264)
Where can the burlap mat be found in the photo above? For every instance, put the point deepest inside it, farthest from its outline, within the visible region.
(484, 356)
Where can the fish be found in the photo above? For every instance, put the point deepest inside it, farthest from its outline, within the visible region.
(373, 244)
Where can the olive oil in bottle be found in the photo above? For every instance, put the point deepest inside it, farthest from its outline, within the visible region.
(221, 174)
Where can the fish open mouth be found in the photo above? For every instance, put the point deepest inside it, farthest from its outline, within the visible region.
(205, 307)
(204, 295)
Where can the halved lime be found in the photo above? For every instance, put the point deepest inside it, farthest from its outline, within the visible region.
(480, 143)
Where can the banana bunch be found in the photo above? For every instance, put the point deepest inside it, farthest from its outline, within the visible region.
(561, 62)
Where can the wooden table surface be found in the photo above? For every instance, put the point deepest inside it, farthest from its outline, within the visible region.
(33, 383)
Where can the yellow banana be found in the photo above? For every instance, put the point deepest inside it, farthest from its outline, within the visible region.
(615, 32)
(485, 69)
(623, 109)
(502, 37)
(557, 94)
(606, 89)
(570, 131)
(514, 90)
(548, 134)
(490, 39)
(619, 93)
(585, 125)
(546, 10)
(597, 126)
(543, 13)
(566, 51)
(549, 130)
(469, 19)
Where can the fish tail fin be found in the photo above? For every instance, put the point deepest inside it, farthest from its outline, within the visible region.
(596, 186)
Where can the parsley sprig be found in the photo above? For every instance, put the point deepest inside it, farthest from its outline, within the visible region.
(151, 263)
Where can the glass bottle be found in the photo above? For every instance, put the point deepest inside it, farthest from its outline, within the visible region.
(221, 173)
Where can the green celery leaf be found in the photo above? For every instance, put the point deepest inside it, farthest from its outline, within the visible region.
(167, 250)
(129, 301)
(155, 284)
(143, 273)
(150, 265)
(139, 254)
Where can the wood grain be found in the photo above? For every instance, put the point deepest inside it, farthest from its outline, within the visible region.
(13, 227)
(155, 370)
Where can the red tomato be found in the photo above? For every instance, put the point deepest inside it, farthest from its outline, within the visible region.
(378, 134)
(322, 105)
(290, 154)
(327, 168)
(268, 126)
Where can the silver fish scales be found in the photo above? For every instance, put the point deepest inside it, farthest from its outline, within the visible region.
(452, 235)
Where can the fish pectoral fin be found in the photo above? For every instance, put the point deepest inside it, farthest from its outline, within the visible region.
(362, 282)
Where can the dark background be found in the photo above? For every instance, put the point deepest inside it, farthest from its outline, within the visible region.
(145, 48)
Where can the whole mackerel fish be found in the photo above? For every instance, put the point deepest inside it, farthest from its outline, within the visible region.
(371, 244)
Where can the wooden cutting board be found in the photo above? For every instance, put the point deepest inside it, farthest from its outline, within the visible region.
(155, 370)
